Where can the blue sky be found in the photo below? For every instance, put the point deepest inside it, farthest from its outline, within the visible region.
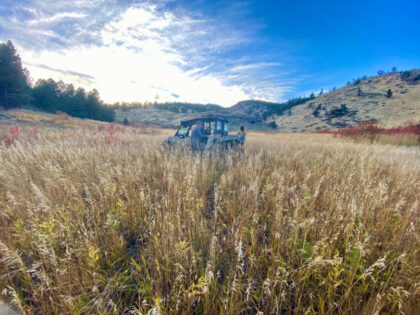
(211, 51)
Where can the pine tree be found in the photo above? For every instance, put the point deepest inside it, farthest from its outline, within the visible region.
(46, 95)
(389, 93)
(14, 79)
(54, 96)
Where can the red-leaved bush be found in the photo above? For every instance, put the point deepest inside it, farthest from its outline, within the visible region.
(111, 132)
(8, 136)
(111, 137)
(368, 129)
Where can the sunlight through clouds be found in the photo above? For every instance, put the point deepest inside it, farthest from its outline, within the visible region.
(142, 54)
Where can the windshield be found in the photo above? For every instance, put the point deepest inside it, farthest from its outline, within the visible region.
(183, 131)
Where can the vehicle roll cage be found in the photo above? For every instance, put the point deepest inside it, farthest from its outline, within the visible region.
(211, 125)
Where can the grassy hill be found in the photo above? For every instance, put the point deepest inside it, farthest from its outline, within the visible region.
(364, 99)
(170, 115)
(34, 118)
(263, 110)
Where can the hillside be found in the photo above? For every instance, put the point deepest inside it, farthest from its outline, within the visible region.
(365, 99)
(263, 110)
(253, 114)
(170, 115)
(35, 118)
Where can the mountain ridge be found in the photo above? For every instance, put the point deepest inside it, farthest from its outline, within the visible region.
(365, 99)
(390, 99)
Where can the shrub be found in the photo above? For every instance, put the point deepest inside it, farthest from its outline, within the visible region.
(317, 110)
(341, 111)
(408, 134)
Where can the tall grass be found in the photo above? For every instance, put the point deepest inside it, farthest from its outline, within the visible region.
(303, 223)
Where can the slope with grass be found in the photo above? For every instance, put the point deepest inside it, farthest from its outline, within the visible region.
(37, 118)
(165, 116)
(364, 99)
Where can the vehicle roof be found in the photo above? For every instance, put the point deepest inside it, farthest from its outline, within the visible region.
(193, 121)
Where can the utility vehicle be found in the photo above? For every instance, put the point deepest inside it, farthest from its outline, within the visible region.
(215, 127)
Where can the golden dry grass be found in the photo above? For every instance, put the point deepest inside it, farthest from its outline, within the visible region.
(303, 223)
(25, 117)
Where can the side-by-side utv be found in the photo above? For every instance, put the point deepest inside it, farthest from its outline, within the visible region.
(215, 127)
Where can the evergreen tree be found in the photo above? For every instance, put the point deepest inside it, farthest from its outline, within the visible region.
(46, 95)
(126, 122)
(389, 93)
(54, 96)
(14, 87)
(317, 110)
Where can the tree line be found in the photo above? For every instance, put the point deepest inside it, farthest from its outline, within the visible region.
(280, 108)
(175, 107)
(16, 91)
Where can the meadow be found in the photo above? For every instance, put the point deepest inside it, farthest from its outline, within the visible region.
(102, 220)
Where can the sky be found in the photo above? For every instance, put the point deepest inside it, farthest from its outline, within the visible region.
(204, 51)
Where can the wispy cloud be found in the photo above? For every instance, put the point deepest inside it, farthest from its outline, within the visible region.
(66, 72)
(137, 52)
(253, 66)
(60, 17)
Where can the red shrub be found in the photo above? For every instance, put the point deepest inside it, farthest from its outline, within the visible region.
(368, 128)
(110, 137)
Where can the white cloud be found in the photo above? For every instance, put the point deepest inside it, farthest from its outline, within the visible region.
(144, 52)
(115, 67)
(56, 17)
(252, 66)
